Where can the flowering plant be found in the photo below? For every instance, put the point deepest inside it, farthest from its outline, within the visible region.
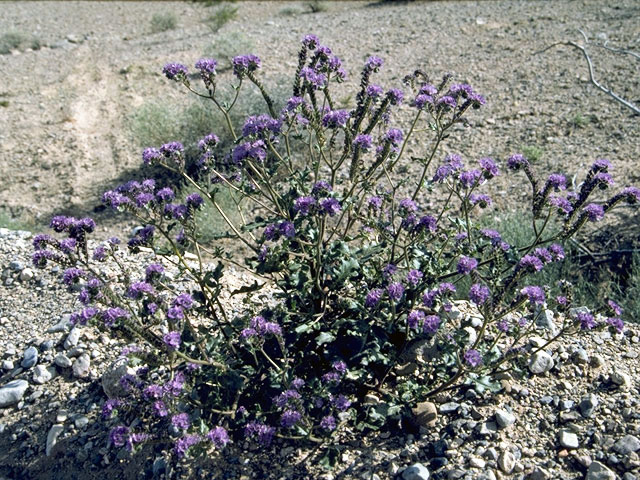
(363, 320)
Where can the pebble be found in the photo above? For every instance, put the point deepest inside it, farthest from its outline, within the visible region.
(42, 374)
(539, 474)
(546, 320)
(52, 437)
(588, 405)
(449, 407)
(621, 379)
(506, 461)
(81, 366)
(568, 439)
(504, 418)
(12, 392)
(73, 338)
(30, 357)
(62, 326)
(81, 421)
(26, 275)
(7, 365)
(417, 471)
(627, 444)
(62, 360)
(426, 414)
(540, 362)
(597, 471)
(477, 462)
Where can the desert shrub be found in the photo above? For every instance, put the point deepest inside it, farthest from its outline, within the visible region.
(222, 15)
(17, 40)
(161, 22)
(361, 278)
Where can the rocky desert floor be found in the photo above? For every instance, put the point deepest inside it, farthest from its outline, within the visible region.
(67, 134)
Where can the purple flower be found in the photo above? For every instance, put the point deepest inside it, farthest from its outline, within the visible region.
(207, 66)
(175, 313)
(414, 277)
(374, 91)
(183, 444)
(557, 181)
(321, 188)
(466, 265)
(175, 386)
(516, 161)
(562, 300)
(172, 340)
(143, 198)
(414, 318)
(172, 149)
(557, 252)
(118, 436)
(616, 323)
(373, 63)
(395, 291)
(394, 136)
(363, 142)
(489, 167)
(153, 272)
(285, 397)
(389, 270)
(181, 421)
(177, 211)
(289, 418)
(421, 100)
(615, 308)
(152, 391)
(313, 78)
(249, 150)
(261, 126)
(341, 402)
(264, 433)
(428, 89)
(594, 211)
(543, 254)
(446, 101)
(479, 293)
(374, 202)
(109, 406)
(407, 205)
(137, 289)
(310, 41)
(431, 324)
(470, 177)
(83, 316)
(328, 423)
(534, 293)
(330, 206)
(243, 64)
(165, 194)
(531, 263)
(304, 205)
(175, 71)
(460, 89)
(297, 383)
(395, 96)
(632, 194)
(218, 436)
(194, 201)
(209, 141)
(150, 154)
(111, 315)
(587, 322)
(339, 366)
(335, 119)
(287, 229)
(427, 222)
(373, 297)
(601, 165)
(72, 275)
(564, 206)
(473, 358)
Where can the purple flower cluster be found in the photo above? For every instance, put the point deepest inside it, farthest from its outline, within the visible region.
(414, 276)
(261, 432)
(373, 297)
(262, 126)
(479, 293)
(534, 293)
(249, 150)
(431, 324)
(284, 229)
(110, 316)
(72, 275)
(175, 71)
(363, 142)
(517, 161)
(587, 321)
(530, 263)
(395, 291)
(244, 64)
(336, 119)
(172, 340)
(466, 265)
(82, 317)
(207, 67)
(218, 436)
(473, 358)
(259, 327)
(480, 199)
(594, 212)
(489, 168)
(452, 164)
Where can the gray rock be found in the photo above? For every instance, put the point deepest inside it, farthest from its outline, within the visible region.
(580, 356)
(62, 360)
(568, 439)
(42, 374)
(111, 378)
(597, 471)
(52, 437)
(627, 444)
(540, 362)
(476, 462)
(81, 421)
(588, 405)
(26, 275)
(426, 414)
(546, 320)
(539, 474)
(416, 471)
(47, 345)
(16, 266)
(621, 379)
(449, 407)
(10, 351)
(7, 365)
(30, 357)
(81, 366)
(504, 418)
(12, 392)
(73, 338)
(506, 461)
(472, 335)
(62, 326)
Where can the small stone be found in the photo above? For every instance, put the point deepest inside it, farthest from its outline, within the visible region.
(72, 338)
(26, 275)
(62, 360)
(12, 392)
(81, 366)
(416, 471)
(597, 471)
(596, 361)
(73, 38)
(62, 416)
(546, 320)
(47, 345)
(81, 421)
(588, 405)
(627, 444)
(111, 378)
(580, 356)
(16, 266)
(540, 362)
(504, 418)
(477, 462)
(449, 407)
(506, 461)
(568, 439)
(539, 474)
(426, 414)
(42, 374)
(62, 326)
(7, 365)
(30, 357)
(621, 379)
(566, 404)
(52, 437)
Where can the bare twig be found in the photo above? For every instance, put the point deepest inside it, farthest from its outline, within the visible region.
(608, 91)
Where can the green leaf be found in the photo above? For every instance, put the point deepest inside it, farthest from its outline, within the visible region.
(304, 328)
(330, 458)
(325, 337)
(248, 288)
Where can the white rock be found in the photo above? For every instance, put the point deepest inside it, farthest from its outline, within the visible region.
(546, 321)
(621, 379)
(81, 366)
(568, 439)
(540, 362)
(416, 471)
(627, 444)
(26, 275)
(62, 360)
(477, 462)
(111, 378)
(598, 471)
(504, 418)
(507, 461)
(12, 392)
(42, 374)
(73, 338)
(52, 437)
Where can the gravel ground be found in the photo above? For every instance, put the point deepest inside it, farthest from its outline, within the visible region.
(64, 139)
